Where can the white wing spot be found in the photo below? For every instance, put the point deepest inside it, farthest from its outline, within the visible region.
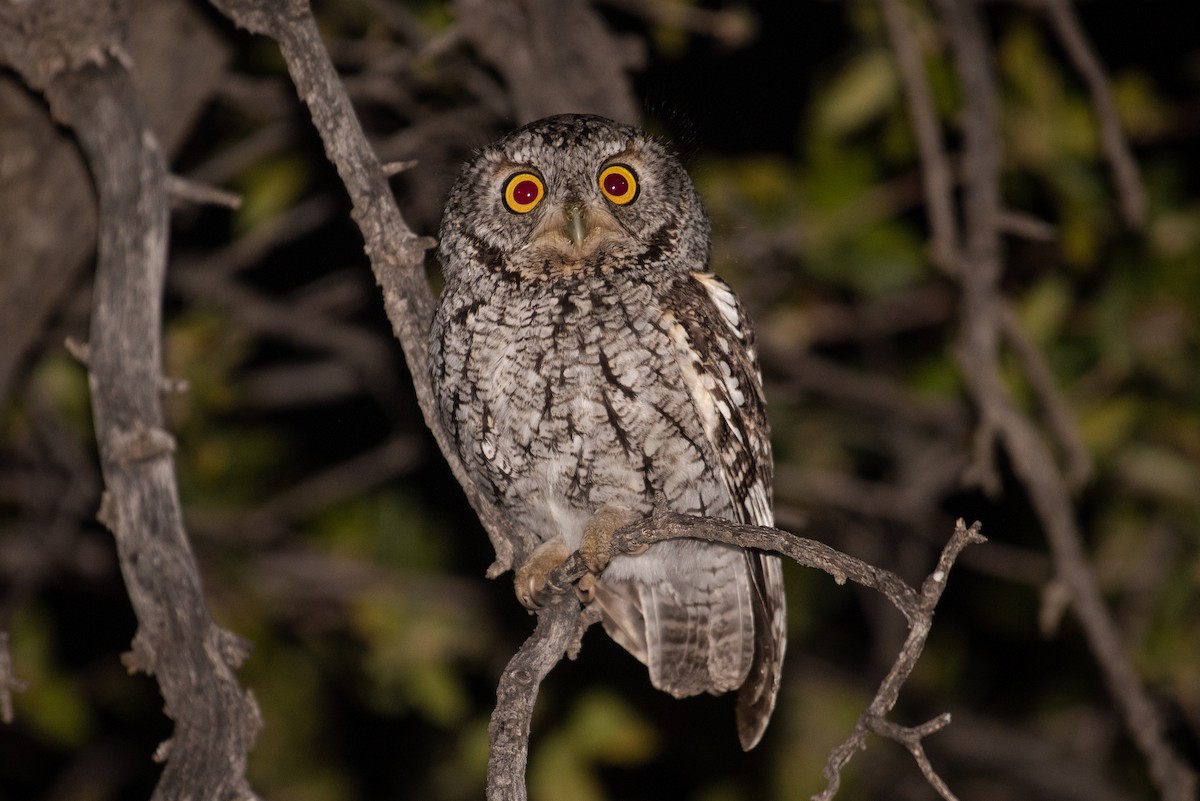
(724, 299)
(731, 385)
(699, 384)
(756, 503)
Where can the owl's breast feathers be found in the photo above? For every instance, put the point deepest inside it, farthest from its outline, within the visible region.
(590, 386)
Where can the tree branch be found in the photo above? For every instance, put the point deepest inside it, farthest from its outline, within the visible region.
(916, 606)
(558, 625)
(664, 525)
(1131, 193)
(979, 262)
(937, 177)
(872, 720)
(1001, 422)
(73, 53)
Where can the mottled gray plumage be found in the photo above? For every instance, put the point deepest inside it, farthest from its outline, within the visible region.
(584, 357)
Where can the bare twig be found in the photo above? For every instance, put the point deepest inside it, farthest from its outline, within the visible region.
(190, 191)
(912, 736)
(1131, 193)
(396, 167)
(1027, 226)
(1061, 422)
(889, 690)
(936, 174)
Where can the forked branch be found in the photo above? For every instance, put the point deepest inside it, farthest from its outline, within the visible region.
(559, 623)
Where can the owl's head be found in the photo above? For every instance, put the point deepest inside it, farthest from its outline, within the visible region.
(573, 192)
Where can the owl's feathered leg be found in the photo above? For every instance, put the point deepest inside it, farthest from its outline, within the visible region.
(595, 546)
(595, 549)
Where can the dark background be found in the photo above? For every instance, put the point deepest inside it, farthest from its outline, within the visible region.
(331, 534)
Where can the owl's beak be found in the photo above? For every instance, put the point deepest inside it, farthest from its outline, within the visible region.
(574, 231)
(576, 223)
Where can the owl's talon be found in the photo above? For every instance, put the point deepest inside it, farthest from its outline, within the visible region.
(586, 588)
(596, 546)
(530, 580)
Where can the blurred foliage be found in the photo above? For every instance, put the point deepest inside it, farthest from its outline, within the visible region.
(377, 641)
(602, 730)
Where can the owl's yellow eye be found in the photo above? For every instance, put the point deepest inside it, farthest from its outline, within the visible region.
(619, 184)
(522, 192)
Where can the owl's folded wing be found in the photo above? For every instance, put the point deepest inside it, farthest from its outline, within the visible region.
(716, 353)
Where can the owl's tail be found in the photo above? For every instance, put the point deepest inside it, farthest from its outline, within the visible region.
(756, 698)
(710, 628)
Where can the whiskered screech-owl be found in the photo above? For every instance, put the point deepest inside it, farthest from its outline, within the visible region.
(584, 358)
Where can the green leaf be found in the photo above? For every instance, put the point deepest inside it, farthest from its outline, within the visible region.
(53, 704)
(860, 94)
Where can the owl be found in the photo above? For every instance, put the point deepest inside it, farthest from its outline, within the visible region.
(584, 359)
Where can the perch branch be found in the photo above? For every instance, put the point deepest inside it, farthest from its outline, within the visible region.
(508, 731)
(663, 525)
(916, 606)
